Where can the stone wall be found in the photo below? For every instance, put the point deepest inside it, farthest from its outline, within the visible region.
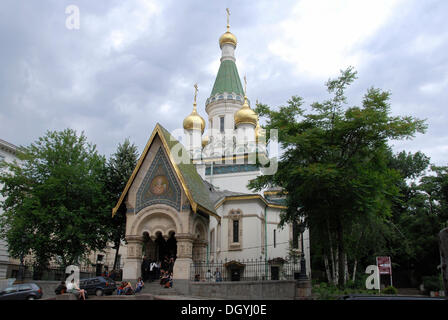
(246, 290)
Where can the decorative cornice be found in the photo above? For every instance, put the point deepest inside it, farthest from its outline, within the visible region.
(8, 147)
(249, 197)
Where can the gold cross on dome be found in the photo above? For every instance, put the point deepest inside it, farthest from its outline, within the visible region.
(195, 91)
(228, 15)
(245, 85)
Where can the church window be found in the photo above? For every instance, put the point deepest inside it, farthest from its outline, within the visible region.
(212, 243)
(275, 240)
(221, 124)
(220, 97)
(218, 236)
(230, 97)
(295, 235)
(235, 230)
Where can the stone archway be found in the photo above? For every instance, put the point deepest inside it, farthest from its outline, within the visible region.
(152, 235)
(200, 242)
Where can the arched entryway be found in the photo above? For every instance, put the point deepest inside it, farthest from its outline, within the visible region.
(159, 246)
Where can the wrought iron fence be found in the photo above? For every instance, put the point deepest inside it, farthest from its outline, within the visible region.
(53, 273)
(245, 270)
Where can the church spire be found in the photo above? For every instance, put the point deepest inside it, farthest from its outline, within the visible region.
(227, 80)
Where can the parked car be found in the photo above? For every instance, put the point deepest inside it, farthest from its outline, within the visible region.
(24, 291)
(98, 285)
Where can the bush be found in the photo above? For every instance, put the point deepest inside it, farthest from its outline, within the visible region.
(431, 283)
(390, 290)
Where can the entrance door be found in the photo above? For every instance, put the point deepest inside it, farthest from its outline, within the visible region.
(274, 273)
(235, 274)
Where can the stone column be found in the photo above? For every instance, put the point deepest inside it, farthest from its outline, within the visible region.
(132, 266)
(200, 250)
(184, 256)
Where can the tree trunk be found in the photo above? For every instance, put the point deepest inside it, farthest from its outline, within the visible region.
(346, 275)
(332, 256)
(327, 269)
(336, 267)
(340, 254)
(354, 269)
(117, 246)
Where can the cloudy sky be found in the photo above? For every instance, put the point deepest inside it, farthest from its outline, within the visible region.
(133, 63)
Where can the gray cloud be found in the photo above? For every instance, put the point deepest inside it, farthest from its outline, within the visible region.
(133, 64)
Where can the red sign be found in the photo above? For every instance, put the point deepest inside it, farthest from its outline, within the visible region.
(384, 265)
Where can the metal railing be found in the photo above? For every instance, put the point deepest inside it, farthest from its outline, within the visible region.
(245, 270)
(53, 273)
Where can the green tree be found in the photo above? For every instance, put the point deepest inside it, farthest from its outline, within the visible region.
(119, 169)
(335, 164)
(54, 201)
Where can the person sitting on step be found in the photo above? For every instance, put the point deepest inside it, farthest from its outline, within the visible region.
(128, 289)
(139, 286)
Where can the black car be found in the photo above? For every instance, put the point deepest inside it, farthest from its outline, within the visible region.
(98, 285)
(24, 291)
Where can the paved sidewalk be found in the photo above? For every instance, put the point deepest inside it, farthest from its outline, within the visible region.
(144, 296)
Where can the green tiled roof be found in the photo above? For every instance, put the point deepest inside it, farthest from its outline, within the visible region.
(193, 180)
(227, 79)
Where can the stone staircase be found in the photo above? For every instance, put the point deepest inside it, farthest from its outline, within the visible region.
(154, 288)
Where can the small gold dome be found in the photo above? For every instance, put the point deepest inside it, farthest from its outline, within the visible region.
(194, 120)
(260, 134)
(205, 141)
(227, 37)
(246, 115)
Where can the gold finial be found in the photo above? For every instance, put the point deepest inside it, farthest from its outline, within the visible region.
(194, 120)
(245, 85)
(228, 18)
(195, 92)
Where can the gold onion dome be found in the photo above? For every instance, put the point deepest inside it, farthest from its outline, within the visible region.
(205, 141)
(246, 115)
(194, 121)
(259, 133)
(227, 37)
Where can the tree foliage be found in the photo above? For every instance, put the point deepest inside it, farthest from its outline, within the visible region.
(55, 205)
(118, 171)
(335, 166)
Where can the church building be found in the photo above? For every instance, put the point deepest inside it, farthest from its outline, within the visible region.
(190, 199)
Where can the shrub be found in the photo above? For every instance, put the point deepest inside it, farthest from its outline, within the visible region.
(431, 283)
(390, 290)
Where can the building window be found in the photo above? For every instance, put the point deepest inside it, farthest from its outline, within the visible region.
(218, 236)
(295, 235)
(235, 230)
(212, 243)
(221, 124)
(275, 240)
(235, 226)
